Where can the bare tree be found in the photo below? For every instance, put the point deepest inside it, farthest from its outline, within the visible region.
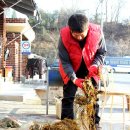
(116, 10)
(97, 14)
(106, 10)
(122, 47)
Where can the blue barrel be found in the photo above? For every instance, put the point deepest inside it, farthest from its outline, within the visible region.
(55, 77)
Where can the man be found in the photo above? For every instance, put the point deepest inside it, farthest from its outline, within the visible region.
(81, 50)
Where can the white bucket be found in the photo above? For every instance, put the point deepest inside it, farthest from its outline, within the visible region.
(58, 103)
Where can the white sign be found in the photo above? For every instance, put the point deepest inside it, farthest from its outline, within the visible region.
(26, 47)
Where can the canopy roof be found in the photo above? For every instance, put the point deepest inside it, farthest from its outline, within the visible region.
(27, 7)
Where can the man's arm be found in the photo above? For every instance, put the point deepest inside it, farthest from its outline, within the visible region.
(65, 60)
(101, 52)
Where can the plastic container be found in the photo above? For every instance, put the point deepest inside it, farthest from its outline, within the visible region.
(0, 73)
(8, 71)
(55, 77)
(58, 103)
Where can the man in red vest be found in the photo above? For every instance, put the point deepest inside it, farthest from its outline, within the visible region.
(81, 51)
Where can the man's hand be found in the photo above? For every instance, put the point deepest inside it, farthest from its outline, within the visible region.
(78, 82)
(93, 70)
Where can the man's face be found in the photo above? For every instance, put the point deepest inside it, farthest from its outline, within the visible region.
(79, 36)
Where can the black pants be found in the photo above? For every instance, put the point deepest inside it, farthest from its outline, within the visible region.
(69, 91)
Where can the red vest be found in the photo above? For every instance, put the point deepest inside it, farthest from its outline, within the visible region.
(75, 52)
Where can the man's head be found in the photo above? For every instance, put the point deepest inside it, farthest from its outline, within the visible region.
(78, 24)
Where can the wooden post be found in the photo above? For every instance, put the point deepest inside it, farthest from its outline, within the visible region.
(128, 102)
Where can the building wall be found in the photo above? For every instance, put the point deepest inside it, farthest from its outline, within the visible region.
(15, 20)
(12, 41)
(2, 39)
(14, 54)
(15, 59)
(24, 59)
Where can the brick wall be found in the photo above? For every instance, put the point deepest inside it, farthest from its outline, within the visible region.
(1, 34)
(15, 20)
(15, 54)
(16, 60)
(3, 37)
(24, 59)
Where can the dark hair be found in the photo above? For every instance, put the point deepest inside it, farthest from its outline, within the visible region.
(78, 22)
